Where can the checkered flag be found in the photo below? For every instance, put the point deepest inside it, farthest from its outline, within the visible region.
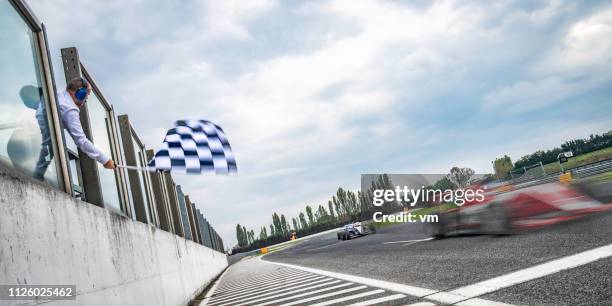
(195, 146)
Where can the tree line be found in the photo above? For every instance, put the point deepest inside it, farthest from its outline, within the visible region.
(577, 146)
(343, 207)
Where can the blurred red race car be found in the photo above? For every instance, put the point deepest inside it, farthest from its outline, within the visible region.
(506, 210)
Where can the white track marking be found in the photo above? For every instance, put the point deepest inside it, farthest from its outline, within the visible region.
(350, 297)
(263, 285)
(304, 294)
(258, 277)
(401, 288)
(267, 289)
(422, 304)
(242, 281)
(318, 297)
(256, 284)
(274, 294)
(380, 300)
(268, 278)
(405, 241)
(293, 293)
(522, 276)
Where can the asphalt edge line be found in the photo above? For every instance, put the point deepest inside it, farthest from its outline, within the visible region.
(534, 272)
(407, 289)
(419, 292)
(408, 241)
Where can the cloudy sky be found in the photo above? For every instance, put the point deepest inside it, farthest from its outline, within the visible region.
(314, 93)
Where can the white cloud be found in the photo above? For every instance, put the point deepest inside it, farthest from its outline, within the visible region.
(587, 47)
(579, 63)
(225, 19)
(422, 62)
(531, 95)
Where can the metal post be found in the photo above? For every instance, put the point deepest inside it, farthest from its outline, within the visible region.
(174, 209)
(158, 193)
(138, 196)
(197, 224)
(89, 169)
(162, 180)
(211, 234)
(194, 232)
(180, 197)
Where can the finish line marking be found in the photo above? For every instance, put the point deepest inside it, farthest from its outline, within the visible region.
(466, 296)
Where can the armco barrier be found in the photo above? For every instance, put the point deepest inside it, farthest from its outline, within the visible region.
(49, 238)
(593, 168)
(577, 172)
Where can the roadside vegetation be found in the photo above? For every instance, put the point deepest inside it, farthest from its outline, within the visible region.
(588, 150)
(580, 160)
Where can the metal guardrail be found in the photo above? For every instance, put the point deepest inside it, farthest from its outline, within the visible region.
(593, 168)
(580, 172)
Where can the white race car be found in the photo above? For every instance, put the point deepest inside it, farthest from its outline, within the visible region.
(352, 230)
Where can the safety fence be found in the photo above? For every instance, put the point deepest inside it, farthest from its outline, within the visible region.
(582, 171)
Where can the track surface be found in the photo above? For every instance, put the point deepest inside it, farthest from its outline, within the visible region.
(463, 260)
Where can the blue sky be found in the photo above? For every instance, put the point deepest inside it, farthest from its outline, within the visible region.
(314, 93)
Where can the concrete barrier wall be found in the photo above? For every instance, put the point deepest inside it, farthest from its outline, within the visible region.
(49, 238)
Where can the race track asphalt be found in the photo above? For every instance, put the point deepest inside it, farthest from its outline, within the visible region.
(399, 254)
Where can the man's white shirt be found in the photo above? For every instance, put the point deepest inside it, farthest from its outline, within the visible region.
(72, 123)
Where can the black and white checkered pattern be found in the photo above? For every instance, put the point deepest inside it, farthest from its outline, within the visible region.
(195, 146)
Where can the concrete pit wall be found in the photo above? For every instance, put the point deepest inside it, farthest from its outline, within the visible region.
(49, 238)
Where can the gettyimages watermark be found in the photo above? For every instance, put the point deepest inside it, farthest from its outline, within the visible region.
(414, 198)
